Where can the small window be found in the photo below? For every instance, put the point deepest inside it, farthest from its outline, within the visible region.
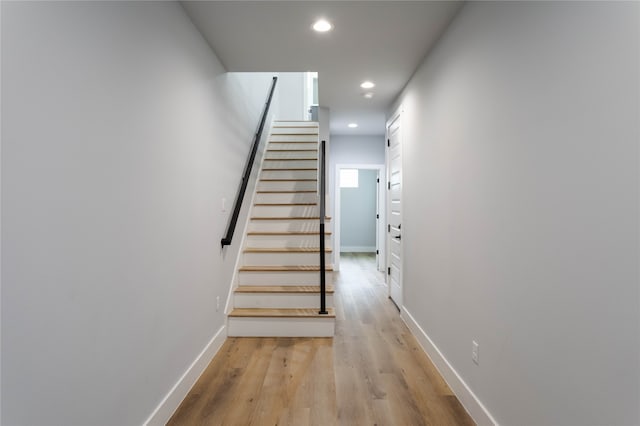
(348, 178)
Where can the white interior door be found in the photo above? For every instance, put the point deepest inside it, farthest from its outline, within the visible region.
(394, 211)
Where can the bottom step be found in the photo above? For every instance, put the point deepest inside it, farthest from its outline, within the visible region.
(252, 322)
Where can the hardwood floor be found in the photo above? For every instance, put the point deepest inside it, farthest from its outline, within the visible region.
(373, 371)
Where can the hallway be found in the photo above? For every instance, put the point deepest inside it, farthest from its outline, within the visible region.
(372, 372)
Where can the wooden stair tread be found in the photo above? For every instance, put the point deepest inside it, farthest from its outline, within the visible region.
(301, 191)
(294, 134)
(289, 169)
(286, 204)
(286, 233)
(284, 268)
(282, 289)
(281, 313)
(288, 180)
(289, 150)
(289, 218)
(312, 125)
(290, 159)
(286, 250)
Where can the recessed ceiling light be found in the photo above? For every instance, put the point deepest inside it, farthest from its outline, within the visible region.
(322, 26)
(368, 95)
(353, 125)
(367, 85)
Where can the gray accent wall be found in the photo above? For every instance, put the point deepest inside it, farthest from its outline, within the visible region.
(121, 135)
(521, 207)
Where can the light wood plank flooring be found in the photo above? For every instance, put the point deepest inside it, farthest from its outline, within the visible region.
(372, 373)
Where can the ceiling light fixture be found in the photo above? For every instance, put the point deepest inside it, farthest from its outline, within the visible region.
(353, 125)
(368, 95)
(367, 85)
(322, 26)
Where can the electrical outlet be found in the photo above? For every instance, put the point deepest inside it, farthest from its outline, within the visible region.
(475, 352)
(217, 303)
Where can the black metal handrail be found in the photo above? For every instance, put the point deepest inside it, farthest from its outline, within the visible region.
(247, 169)
(323, 286)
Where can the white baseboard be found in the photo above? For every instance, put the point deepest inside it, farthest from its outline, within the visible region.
(357, 249)
(467, 398)
(179, 391)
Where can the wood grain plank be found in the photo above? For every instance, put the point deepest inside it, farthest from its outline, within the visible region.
(372, 372)
(286, 233)
(288, 218)
(286, 204)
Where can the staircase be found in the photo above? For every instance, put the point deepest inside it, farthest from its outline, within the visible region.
(278, 291)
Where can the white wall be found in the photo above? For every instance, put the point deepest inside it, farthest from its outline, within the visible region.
(324, 116)
(291, 104)
(358, 208)
(121, 133)
(521, 207)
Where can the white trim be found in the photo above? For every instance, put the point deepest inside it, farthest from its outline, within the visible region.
(179, 391)
(358, 249)
(465, 395)
(336, 216)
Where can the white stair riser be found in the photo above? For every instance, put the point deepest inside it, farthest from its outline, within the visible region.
(280, 300)
(284, 258)
(280, 327)
(287, 226)
(286, 197)
(293, 138)
(278, 155)
(289, 174)
(280, 241)
(293, 146)
(287, 185)
(285, 210)
(285, 164)
(295, 123)
(282, 278)
(294, 128)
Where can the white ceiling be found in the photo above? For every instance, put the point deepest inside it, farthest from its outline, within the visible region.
(382, 41)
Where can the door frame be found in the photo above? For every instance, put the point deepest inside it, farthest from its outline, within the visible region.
(397, 115)
(381, 201)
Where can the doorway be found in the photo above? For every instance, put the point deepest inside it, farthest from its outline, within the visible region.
(360, 211)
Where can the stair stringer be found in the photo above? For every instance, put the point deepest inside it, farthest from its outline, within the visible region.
(253, 183)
